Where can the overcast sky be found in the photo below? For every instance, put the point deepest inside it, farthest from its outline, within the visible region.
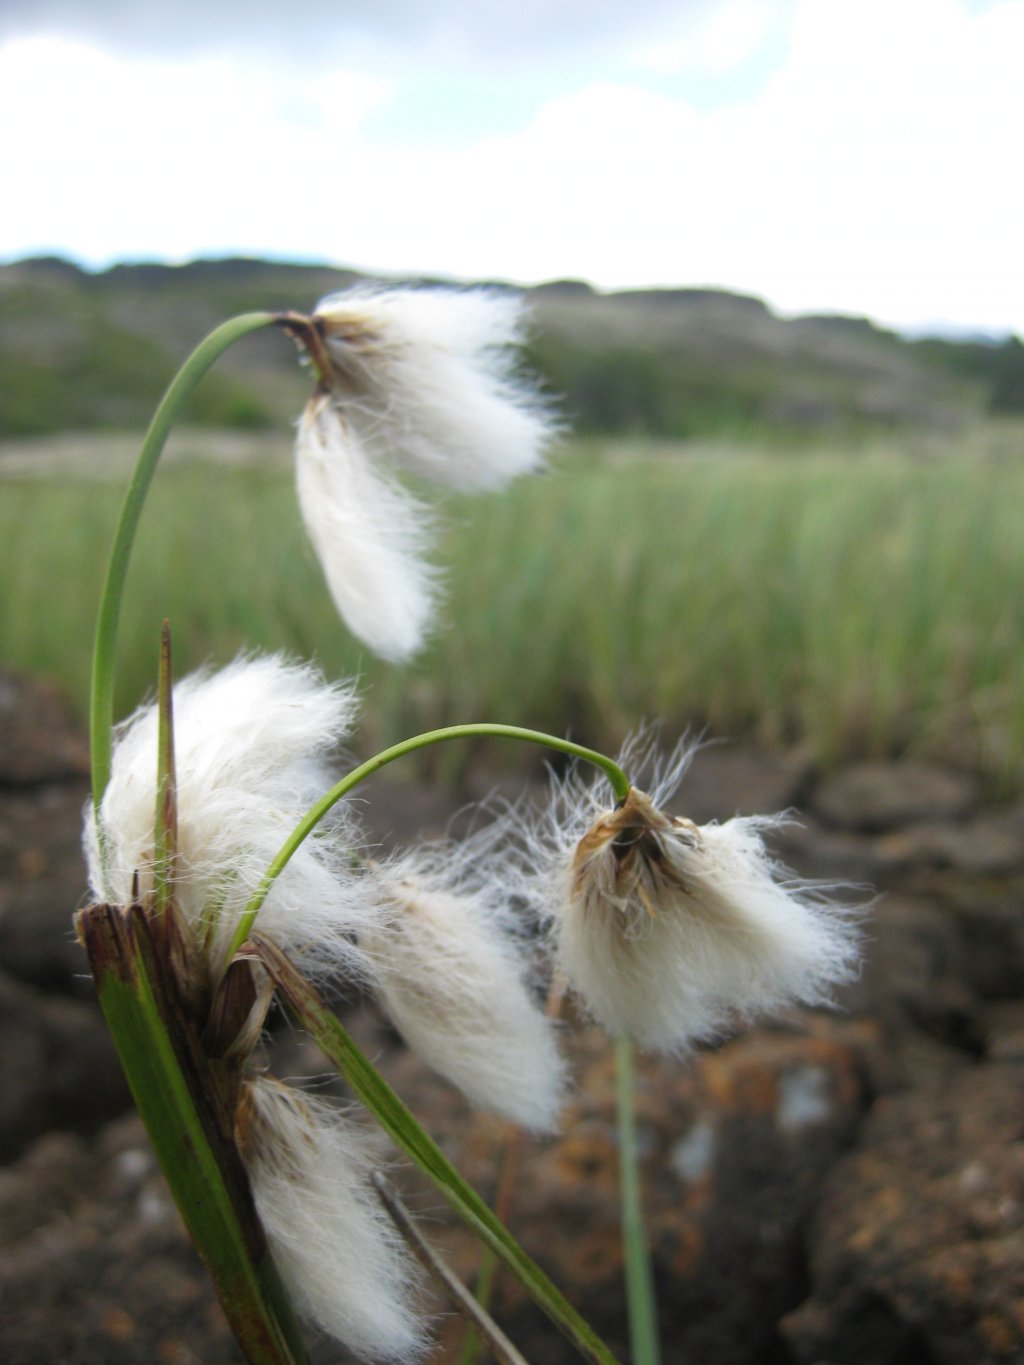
(850, 155)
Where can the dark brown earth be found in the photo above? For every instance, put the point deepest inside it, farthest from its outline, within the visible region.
(844, 1188)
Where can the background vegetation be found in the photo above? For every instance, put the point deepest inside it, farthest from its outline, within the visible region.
(862, 607)
(84, 351)
(802, 532)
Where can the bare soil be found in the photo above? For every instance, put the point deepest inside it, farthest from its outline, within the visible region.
(844, 1187)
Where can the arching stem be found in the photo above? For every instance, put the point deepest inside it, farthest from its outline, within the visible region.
(619, 782)
(101, 712)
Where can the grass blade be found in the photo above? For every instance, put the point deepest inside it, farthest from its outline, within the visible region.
(333, 1040)
(188, 1103)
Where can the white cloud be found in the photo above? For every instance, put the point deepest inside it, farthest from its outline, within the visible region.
(874, 170)
(160, 158)
(457, 31)
(714, 38)
(733, 33)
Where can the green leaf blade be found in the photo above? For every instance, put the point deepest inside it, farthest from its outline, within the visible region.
(400, 1125)
(191, 1135)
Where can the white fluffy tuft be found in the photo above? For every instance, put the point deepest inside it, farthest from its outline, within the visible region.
(368, 531)
(250, 747)
(672, 932)
(450, 974)
(427, 377)
(338, 1253)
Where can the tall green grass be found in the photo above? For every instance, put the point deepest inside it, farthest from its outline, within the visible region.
(863, 607)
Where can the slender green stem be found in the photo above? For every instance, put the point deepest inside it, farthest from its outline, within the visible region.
(643, 1313)
(618, 779)
(473, 1346)
(101, 717)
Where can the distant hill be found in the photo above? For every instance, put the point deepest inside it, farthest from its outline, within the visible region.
(81, 350)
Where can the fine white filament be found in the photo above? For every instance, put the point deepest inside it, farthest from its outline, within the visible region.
(451, 977)
(337, 1251)
(251, 743)
(369, 532)
(673, 933)
(421, 382)
(428, 378)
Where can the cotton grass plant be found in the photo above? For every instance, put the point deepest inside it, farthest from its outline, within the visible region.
(227, 869)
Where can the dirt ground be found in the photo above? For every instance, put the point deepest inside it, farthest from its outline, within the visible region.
(843, 1187)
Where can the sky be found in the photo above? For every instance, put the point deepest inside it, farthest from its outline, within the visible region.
(857, 156)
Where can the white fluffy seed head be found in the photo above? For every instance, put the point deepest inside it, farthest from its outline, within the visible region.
(338, 1253)
(421, 381)
(450, 974)
(250, 747)
(672, 932)
(369, 533)
(428, 380)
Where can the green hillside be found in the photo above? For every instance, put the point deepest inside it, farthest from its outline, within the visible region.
(94, 351)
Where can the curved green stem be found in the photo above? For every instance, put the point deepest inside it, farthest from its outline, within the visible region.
(101, 713)
(643, 1313)
(618, 779)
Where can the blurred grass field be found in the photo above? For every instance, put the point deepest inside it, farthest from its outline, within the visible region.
(861, 606)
